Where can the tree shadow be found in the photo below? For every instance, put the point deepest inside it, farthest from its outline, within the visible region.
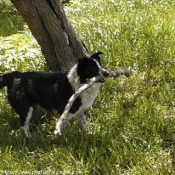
(11, 22)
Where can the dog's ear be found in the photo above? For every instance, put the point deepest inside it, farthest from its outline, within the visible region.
(97, 56)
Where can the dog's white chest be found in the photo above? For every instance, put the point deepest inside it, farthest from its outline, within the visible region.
(89, 95)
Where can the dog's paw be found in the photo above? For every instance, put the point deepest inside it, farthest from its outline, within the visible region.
(57, 132)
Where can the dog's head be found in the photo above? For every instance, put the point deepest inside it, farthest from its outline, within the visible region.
(91, 67)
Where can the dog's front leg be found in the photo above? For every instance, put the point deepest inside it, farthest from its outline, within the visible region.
(62, 123)
(82, 120)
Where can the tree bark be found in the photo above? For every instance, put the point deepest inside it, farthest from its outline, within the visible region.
(48, 23)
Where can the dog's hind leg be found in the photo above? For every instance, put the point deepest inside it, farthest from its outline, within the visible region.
(25, 123)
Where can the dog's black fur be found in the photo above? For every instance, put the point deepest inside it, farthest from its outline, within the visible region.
(49, 90)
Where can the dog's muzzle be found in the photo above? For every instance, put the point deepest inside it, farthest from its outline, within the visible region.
(105, 74)
(102, 80)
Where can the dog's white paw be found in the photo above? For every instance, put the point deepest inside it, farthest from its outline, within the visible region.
(57, 132)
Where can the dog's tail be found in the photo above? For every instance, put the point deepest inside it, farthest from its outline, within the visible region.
(5, 80)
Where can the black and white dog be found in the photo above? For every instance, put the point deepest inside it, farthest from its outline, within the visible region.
(52, 91)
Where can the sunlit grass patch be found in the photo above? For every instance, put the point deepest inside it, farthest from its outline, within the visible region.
(20, 52)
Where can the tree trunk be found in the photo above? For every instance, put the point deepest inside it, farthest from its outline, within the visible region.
(48, 23)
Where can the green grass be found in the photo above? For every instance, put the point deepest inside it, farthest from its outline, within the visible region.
(10, 21)
(132, 119)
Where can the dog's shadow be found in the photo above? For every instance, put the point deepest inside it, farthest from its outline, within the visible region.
(42, 128)
(76, 141)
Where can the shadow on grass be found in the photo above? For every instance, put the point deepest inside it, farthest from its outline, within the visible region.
(43, 138)
(11, 22)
